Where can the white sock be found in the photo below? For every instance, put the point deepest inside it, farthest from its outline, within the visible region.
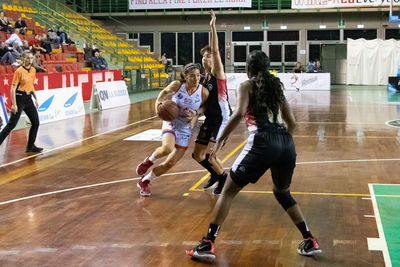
(150, 176)
(152, 158)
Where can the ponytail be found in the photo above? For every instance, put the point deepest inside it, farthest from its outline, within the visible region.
(268, 93)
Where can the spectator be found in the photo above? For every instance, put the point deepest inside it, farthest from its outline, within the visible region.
(25, 45)
(164, 59)
(318, 67)
(98, 62)
(37, 62)
(298, 68)
(311, 66)
(46, 44)
(63, 36)
(54, 38)
(12, 54)
(88, 49)
(14, 38)
(36, 44)
(5, 24)
(21, 25)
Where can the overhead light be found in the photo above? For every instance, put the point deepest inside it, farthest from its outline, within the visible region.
(399, 25)
(283, 27)
(246, 28)
(360, 26)
(322, 26)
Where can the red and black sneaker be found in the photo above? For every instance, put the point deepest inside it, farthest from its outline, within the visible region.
(309, 247)
(143, 167)
(203, 251)
(144, 188)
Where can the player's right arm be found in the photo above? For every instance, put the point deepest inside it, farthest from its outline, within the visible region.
(168, 92)
(14, 85)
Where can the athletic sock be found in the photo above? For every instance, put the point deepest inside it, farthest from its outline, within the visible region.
(150, 176)
(213, 230)
(206, 164)
(303, 227)
(152, 158)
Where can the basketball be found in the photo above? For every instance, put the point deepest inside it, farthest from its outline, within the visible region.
(168, 110)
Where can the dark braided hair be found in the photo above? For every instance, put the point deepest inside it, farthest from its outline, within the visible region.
(268, 93)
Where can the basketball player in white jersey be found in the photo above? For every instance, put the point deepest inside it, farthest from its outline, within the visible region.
(189, 94)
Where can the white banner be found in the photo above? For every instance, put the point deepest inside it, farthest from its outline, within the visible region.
(59, 104)
(370, 62)
(3, 114)
(303, 4)
(306, 81)
(111, 94)
(291, 81)
(179, 4)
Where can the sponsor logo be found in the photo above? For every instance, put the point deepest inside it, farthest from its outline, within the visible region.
(209, 87)
(71, 100)
(46, 104)
(180, 96)
(187, 101)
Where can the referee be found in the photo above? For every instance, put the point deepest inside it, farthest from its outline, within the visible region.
(21, 100)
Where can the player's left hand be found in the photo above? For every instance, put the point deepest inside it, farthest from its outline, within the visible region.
(36, 103)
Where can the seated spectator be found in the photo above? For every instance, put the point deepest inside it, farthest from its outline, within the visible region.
(37, 62)
(63, 36)
(98, 62)
(25, 45)
(14, 38)
(318, 67)
(311, 66)
(46, 44)
(21, 25)
(5, 24)
(12, 54)
(298, 68)
(36, 44)
(54, 38)
(88, 50)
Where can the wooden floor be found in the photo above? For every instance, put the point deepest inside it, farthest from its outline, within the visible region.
(341, 141)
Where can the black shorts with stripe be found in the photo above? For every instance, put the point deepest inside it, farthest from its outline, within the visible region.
(271, 149)
(209, 130)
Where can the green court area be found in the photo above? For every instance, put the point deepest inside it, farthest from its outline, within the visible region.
(388, 202)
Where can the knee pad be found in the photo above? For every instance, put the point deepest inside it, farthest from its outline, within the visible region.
(285, 199)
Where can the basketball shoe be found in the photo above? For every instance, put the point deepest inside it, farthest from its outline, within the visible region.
(221, 183)
(309, 247)
(203, 251)
(143, 167)
(144, 187)
(212, 182)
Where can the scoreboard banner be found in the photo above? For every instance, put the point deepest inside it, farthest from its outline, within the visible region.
(179, 4)
(304, 4)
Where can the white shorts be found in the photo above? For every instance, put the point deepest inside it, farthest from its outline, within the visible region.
(182, 132)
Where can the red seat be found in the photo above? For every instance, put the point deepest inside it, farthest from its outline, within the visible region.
(2, 69)
(9, 69)
(42, 58)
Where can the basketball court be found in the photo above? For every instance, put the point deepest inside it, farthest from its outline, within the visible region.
(77, 204)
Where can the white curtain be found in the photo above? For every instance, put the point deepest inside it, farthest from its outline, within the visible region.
(371, 62)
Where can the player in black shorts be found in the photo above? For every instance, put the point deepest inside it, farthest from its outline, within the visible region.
(270, 146)
(217, 110)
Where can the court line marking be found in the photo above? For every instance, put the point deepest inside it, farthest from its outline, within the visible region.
(383, 244)
(74, 142)
(181, 173)
(225, 159)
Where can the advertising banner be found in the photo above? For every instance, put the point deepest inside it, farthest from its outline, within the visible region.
(43, 81)
(303, 4)
(186, 4)
(3, 114)
(59, 104)
(111, 94)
